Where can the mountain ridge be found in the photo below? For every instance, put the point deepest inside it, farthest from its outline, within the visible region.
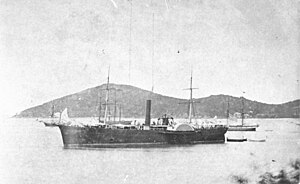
(131, 101)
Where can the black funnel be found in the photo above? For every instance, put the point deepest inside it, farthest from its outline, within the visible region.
(148, 113)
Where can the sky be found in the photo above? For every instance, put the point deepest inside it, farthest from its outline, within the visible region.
(52, 48)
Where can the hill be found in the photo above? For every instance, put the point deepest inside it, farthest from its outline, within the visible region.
(131, 101)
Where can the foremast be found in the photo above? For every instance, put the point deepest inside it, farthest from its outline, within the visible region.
(242, 113)
(106, 98)
(227, 113)
(191, 99)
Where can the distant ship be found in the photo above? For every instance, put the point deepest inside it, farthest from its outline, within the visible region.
(165, 132)
(52, 120)
(243, 126)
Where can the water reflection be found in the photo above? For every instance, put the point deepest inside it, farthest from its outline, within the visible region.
(35, 154)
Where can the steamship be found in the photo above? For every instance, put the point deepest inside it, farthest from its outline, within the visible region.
(165, 132)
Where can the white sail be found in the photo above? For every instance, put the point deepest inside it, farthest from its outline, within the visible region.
(65, 120)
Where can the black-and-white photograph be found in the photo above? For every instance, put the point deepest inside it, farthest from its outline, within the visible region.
(150, 91)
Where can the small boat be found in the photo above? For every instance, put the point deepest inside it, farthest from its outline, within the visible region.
(49, 124)
(257, 140)
(236, 139)
(268, 130)
(54, 119)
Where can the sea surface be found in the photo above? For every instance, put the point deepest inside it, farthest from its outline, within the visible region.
(33, 153)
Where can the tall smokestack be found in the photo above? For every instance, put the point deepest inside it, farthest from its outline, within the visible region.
(148, 113)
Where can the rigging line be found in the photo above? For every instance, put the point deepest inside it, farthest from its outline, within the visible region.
(166, 2)
(114, 3)
(227, 113)
(130, 27)
(243, 113)
(152, 52)
(115, 107)
(120, 106)
(99, 107)
(191, 97)
(193, 108)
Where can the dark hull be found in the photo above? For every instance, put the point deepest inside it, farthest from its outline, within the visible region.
(236, 139)
(50, 124)
(257, 140)
(96, 137)
(241, 128)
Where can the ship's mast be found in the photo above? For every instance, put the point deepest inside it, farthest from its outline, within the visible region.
(227, 114)
(120, 112)
(115, 106)
(107, 97)
(190, 101)
(242, 114)
(191, 98)
(99, 116)
(52, 111)
(152, 89)
(120, 105)
(130, 49)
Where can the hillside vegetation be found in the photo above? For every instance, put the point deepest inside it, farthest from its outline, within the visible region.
(132, 100)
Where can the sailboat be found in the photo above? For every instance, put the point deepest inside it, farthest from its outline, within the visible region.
(52, 120)
(109, 118)
(242, 126)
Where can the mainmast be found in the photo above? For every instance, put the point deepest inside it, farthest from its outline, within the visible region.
(227, 113)
(130, 49)
(99, 109)
(242, 114)
(115, 106)
(107, 97)
(152, 89)
(52, 111)
(120, 112)
(191, 98)
(120, 105)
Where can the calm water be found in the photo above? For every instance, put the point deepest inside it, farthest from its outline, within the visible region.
(33, 153)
